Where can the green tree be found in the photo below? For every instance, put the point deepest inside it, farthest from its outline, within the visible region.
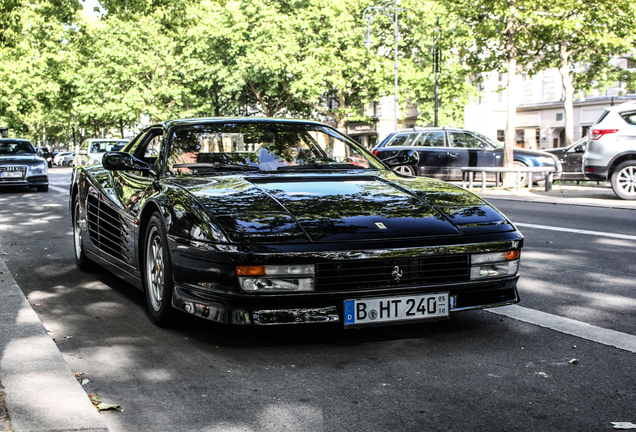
(429, 26)
(501, 33)
(588, 32)
(126, 68)
(31, 76)
(335, 74)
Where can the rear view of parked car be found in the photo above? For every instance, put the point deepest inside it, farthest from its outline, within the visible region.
(444, 151)
(611, 152)
(92, 150)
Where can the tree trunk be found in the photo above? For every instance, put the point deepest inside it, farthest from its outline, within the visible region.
(511, 54)
(568, 93)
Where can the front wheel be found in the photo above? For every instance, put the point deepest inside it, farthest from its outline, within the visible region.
(82, 262)
(158, 281)
(624, 180)
(405, 169)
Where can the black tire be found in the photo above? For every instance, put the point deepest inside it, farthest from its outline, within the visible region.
(81, 260)
(405, 169)
(624, 180)
(157, 275)
(44, 188)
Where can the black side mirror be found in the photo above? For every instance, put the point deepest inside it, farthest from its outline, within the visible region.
(119, 161)
(403, 157)
(579, 149)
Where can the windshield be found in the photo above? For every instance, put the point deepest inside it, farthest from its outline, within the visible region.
(16, 148)
(266, 146)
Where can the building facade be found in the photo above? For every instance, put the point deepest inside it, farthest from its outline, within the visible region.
(540, 121)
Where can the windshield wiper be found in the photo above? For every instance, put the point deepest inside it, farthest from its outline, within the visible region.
(336, 166)
(217, 166)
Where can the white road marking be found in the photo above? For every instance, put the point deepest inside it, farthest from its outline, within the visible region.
(58, 189)
(577, 231)
(569, 326)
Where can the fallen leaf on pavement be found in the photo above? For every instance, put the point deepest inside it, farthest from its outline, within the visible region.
(96, 399)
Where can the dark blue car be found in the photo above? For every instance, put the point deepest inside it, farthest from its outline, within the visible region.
(444, 151)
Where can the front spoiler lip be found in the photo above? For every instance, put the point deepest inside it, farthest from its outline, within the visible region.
(184, 300)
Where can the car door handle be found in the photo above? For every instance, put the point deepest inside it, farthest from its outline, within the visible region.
(453, 154)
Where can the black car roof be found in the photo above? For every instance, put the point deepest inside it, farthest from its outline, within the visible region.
(15, 139)
(183, 122)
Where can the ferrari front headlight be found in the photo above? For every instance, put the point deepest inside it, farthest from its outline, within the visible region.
(276, 278)
(496, 264)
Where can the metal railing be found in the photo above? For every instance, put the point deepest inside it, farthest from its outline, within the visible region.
(468, 174)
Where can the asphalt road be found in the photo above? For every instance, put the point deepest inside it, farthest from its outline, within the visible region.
(479, 371)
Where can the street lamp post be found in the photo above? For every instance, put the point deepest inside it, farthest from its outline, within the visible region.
(390, 9)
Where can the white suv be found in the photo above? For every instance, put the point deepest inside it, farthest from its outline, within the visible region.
(611, 152)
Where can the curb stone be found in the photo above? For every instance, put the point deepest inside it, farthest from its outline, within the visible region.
(33, 370)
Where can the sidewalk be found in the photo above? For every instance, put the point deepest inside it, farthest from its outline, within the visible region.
(588, 194)
(38, 390)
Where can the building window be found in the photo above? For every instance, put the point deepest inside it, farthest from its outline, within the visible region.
(559, 117)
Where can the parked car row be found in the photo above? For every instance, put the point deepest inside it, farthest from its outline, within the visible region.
(444, 151)
(64, 158)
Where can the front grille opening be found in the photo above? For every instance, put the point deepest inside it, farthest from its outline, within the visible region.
(391, 273)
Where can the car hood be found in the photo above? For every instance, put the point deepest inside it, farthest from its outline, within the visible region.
(23, 159)
(335, 208)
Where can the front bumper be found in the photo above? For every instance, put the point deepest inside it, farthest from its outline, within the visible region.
(316, 308)
(596, 172)
(33, 181)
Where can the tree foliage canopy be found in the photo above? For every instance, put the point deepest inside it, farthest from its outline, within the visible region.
(65, 74)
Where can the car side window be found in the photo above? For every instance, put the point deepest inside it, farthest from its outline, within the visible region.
(629, 117)
(149, 146)
(464, 140)
(431, 139)
(403, 140)
(153, 147)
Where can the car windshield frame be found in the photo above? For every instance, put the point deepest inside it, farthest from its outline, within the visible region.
(16, 148)
(266, 147)
(493, 142)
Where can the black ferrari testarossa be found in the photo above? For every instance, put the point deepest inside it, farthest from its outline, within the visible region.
(272, 221)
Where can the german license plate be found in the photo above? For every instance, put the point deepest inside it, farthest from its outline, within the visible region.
(11, 174)
(390, 309)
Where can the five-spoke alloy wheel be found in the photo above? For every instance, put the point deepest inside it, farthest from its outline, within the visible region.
(624, 180)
